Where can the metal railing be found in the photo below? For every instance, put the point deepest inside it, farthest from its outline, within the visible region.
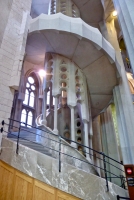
(119, 197)
(106, 161)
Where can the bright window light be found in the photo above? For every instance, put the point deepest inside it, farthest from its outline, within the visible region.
(114, 13)
(42, 73)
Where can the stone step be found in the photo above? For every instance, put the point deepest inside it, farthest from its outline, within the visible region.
(24, 134)
(34, 145)
(28, 138)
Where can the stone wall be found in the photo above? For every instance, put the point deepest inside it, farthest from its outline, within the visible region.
(12, 50)
(5, 7)
(46, 169)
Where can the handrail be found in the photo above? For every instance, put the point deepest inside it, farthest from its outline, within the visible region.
(93, 150)
(52, 133)
(119, 197)
(71, 141)
(60, 142)
(66, 154)
(37, 119)
(64, 139)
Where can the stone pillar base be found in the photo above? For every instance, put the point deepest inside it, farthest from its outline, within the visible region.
(44, 122)
(55, 131)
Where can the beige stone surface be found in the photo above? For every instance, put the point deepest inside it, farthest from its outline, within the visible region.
(71, 179)
(15, 21)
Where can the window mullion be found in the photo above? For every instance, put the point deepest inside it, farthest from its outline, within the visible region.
(27, 117)
(29, 97)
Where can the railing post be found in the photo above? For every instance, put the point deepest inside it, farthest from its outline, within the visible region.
(59, 154)
(118, 197)
(9, 127)
(18, 138)
(3, 122)
(1, 130)
(122, 181)
(105, 171)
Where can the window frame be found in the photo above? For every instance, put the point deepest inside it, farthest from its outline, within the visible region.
(27, 106)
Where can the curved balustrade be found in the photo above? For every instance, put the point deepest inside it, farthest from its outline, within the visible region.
(61, 150)
(52, 141)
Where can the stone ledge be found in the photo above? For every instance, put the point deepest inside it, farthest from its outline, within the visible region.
(71, 179)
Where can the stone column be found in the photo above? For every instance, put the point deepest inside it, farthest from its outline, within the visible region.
(91, 137)
(44, 121)
(109, 144)
(60, 102)
(72, 127)
(125, 10)
(51, 99)
(86, 139)
(91, 145)
(125, 114)
(55, 115)
(97, 145)
(126, 143)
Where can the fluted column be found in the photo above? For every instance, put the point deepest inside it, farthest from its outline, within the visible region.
(125, 115)
(55, 115)
(97, 145)
(125, 10)
(44, 121)
(126, 138)
(109, 143)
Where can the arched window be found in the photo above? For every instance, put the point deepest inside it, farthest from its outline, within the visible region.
(26, 97)
(30, 118)
(48, 97)
(29, 103)
(53, 101)
(23, 117)
(31, 100)
(29, 92)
